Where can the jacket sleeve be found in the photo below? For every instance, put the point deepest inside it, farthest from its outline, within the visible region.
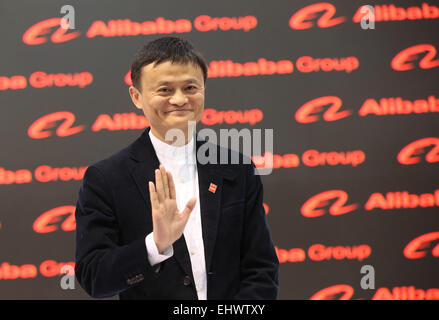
(259, 262)
(103, 267)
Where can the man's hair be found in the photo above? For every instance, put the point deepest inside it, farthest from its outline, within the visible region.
(174, 49)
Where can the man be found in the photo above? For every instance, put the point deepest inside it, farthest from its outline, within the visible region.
(152, 221)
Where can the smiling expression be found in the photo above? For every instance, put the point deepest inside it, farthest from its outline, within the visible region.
(171, 95)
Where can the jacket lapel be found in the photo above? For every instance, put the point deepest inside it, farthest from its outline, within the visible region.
(143, 171)
(210, 203)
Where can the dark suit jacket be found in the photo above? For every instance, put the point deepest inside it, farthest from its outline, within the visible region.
(113, 217)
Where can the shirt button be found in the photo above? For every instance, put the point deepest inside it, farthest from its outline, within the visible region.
(192, 251)
(182, 180)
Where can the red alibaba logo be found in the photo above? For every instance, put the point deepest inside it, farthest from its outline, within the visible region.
(414, 249)
(402, 61)
(330, 293)
(310, 207)
(37, 129)
(304, 114)
(128, 79)
(37, 33)
(49, 220)
(410, 153)
(298, 20)
(266, 208)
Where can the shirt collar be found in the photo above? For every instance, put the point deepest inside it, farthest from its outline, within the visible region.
(181, 154)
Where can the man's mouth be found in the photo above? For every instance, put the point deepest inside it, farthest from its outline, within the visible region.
(180, 111)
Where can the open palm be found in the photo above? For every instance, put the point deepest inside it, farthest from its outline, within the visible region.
(168, 224)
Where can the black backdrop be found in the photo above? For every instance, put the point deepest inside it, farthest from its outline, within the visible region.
(368, 156)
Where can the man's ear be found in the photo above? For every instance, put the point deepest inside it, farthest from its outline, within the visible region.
(136, 97)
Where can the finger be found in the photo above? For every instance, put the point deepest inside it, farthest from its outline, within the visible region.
(153, 196)
(159, 186)
(190, 205)
(172, 193)
(165, 181)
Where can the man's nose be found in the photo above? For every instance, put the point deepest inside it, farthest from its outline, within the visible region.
(178, 98)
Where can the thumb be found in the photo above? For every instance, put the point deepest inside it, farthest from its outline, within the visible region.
(190, 205)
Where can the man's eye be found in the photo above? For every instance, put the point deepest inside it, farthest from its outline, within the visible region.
(191, 87)
(163, 90)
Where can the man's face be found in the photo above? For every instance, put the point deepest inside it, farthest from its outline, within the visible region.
(172, 94)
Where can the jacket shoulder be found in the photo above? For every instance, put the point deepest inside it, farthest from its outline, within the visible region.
(115, 161)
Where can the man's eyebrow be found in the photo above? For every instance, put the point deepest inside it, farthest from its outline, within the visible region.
(165, 83)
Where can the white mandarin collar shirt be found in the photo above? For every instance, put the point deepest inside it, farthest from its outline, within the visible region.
(181, 162)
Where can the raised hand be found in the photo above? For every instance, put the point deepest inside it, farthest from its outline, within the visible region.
(167, 223)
